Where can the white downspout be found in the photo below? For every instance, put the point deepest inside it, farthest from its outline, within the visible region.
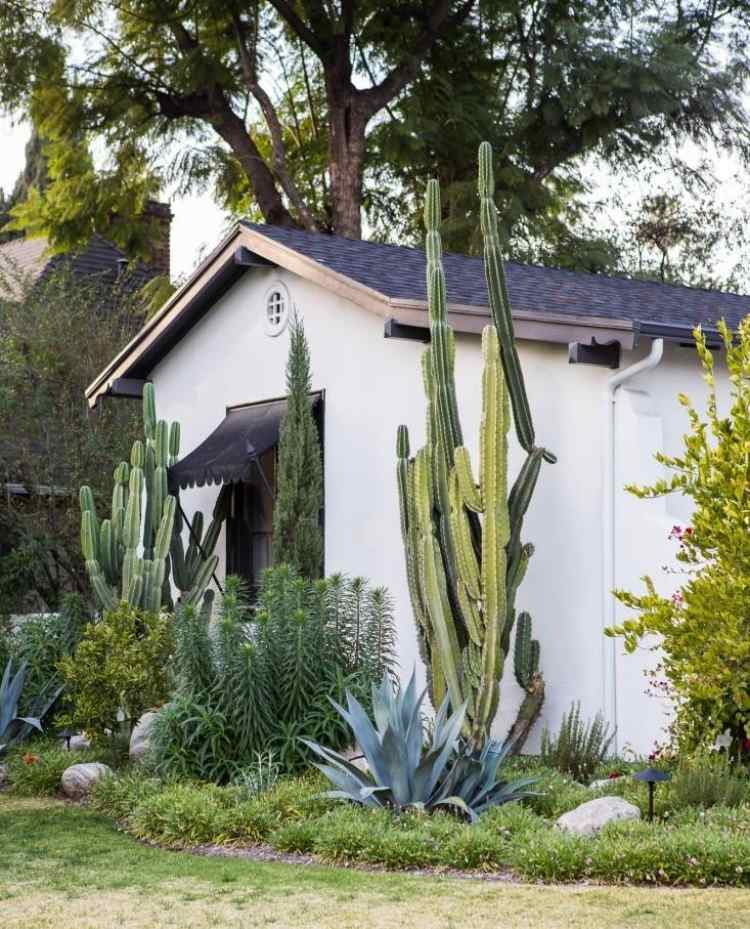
(609, 646)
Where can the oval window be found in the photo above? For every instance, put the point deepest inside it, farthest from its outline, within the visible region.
(277, 309)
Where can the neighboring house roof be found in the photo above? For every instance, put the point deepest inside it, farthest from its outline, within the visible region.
(548, 305)
(30, 259)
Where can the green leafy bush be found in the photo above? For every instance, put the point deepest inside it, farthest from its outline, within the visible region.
(624, 853)
(120, 666)
(707, 780)
(36, 770)
(261, 679)
(580, 747)
(702, 626)
(183, 814)
(119, 794)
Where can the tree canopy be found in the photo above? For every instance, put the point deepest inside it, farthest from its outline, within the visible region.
(315, 113)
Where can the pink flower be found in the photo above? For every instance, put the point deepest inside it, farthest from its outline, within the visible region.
(677, 598)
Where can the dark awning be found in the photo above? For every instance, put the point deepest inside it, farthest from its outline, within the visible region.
(227, 455)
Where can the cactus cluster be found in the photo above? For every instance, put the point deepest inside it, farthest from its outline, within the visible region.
(464, 556)
(128, 554)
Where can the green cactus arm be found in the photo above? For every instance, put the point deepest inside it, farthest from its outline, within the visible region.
(101, 588)
(89, 539)
(174, 443)
(470, 493)
(526, 652)
(106, 551)
(137, 455)
(164, 533)
(201, 581)
(149, 410)
(132, 526)
(468, 568)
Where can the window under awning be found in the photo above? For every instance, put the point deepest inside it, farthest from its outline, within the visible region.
(229, 454)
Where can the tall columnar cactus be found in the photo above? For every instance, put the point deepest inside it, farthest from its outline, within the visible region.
(128, 555)
(464, 556)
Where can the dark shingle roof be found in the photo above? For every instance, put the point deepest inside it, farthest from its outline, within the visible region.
(399, 272)
(100, 258)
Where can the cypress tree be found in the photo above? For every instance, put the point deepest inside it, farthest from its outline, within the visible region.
(297, 536)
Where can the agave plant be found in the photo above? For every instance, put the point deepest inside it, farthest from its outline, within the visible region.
(11, 724)
(403, 770)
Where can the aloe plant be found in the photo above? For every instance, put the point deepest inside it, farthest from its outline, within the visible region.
(11, 724)
(403, 772)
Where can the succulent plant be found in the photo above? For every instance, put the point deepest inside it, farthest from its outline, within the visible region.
(406, 772)
(128, 554)
(465, 558)
(11, 724)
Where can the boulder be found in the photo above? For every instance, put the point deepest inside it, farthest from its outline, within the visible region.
(78, 779)
(140, 738)
(590, 817)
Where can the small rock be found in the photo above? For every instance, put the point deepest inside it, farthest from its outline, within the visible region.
(603, 783)
(78, 779)
(140, 738)
(590, 817)
(79, 742)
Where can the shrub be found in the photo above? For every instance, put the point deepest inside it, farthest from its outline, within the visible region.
(118, 795)
(259, 776)
(579, 747)
(708, 780)
(263, 678)
(702, 627)
(120, 666)
(637, 853)
(36, 770)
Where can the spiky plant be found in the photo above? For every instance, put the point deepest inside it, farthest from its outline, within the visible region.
(579, 746)
(462, 538)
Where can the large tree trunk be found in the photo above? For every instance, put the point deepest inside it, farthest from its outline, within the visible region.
(528, 713)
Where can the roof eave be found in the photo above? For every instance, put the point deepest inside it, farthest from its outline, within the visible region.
(193, 299)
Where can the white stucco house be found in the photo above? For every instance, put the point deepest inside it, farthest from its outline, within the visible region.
(216, 353)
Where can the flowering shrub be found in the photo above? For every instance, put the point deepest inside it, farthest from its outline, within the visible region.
(704, 627)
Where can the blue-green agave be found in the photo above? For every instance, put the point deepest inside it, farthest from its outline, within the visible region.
(407, 772)
(11, 724)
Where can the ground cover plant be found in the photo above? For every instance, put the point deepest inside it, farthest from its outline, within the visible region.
(63, 865)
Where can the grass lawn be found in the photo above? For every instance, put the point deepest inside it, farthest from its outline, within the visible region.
(63, 867)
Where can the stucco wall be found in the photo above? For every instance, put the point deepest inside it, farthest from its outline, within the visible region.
(372, 385)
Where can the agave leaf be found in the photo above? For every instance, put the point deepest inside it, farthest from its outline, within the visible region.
(461, 805)
(367, 738)
(398, 770)
(31, 721)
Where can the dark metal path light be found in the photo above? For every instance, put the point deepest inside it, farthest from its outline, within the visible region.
(651, 776)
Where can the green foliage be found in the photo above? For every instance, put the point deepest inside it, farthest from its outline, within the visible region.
(708, 780)
(41, 641)
(464, 556)
(579, 747)
(548, 86)
(118, 794)
(12, 725)
(260, 679)
(693, 854)
(703, 626)
(36, 771)
(259, 776)
(297, 533)
(403, 771)
(121, 666)
(52, 442)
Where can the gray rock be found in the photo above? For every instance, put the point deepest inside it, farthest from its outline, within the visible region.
(603, 783)
(590, 817)
(79, 742)
(140, 738)
(78, 779)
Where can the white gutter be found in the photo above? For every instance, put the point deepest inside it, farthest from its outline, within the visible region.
(609, 646)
